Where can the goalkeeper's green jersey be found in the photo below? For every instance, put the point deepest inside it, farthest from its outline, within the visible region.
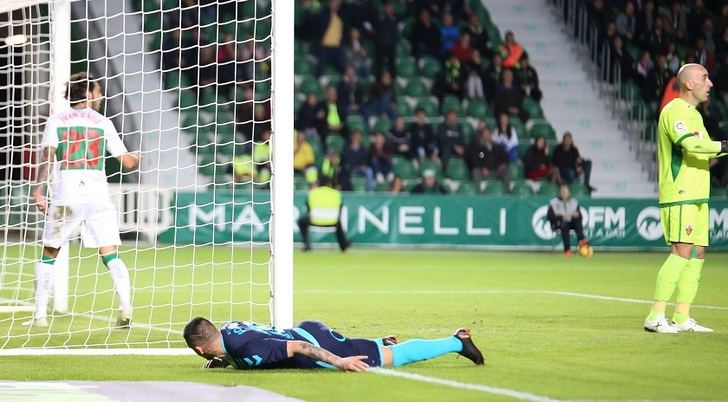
(684, 149)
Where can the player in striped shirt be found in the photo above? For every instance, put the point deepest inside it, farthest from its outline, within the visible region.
(684, 151)
(73, 152)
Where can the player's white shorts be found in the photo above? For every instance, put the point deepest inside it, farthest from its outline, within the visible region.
(98, 223)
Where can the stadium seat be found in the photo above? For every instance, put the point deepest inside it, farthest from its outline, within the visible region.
(520, 128)
(479, 109)
(521, 189)
(382, 124)
(310, 84)
(334, 141)
(416, 88)
(467, 131)
(548, 189)
(432, 165)
(494, 187)
(629, 91)
(359, 183)
(578, 190)
(403, 108)
(467, 187)
(430, 67)
(403, 49)
(545, 129)
(449, 103)
(404, 168)
(356, 121)
(406, 67)
(457, 170)
(430, 108)
(533, 108)
(299, 183)
(516, 170)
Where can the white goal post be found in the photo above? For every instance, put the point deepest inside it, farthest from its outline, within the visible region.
(197, 238)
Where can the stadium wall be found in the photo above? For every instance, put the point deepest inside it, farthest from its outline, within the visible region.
(432, 220)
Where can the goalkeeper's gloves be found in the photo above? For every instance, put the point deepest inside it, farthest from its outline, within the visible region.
(724, 147)
(216, 362)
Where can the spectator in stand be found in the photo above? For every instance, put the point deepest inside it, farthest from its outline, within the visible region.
(424, 142)
(449, 33)
(509, 98)
(396, 186)
(462, 50)
(261, 155)
(401, 139)
(609, 33)
(479, 36)
(450, 79)
(334, 119)
(172, 50)
(697, 16)
(621, 59)
(426, 38)
(450, 139)
(598, 14)
(537, 162)
(672, 57)
(506, 136)
(304, 158)
(331, 25)
(676, 22)
(645, 76)
(350, 94)
(382, 97)
(662, 75)
(658, 40)
(709, 34)
(356, 54)
(701, 54)
(720, 81)
(386, 37)
(354, 160)
(311, 117)
(380, 157)
(645, 21)
(261, 121)
(527, 77)
(429, 184)
(331, 167)
(511, 51)
(721, 21)
(226, 66)
(487, 159)
(243, 168)
(721, 44)
(473, 86)
(492, 77)
(208, 68)
(570, 163)
(627, 22)
(244, 113)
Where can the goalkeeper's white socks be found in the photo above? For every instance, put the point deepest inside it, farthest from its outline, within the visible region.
(120, 276)
(44, 277)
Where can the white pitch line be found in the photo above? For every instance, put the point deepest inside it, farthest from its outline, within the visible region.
(98, 317)
(495, 291)
(511, 393)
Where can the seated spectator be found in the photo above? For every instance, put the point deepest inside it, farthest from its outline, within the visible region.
(478, 34)
(332, 26)
(537, 163)
(226, 66)
(424, 142)
(527, 77)
(354, 160)
(621, 59)
(331, 167)
(462, 50)
(658, 39)
(506, 136)
(511, 51)
(645, 75)
(380, 157)
(627, 22)
(397, 185)
(243, 168)
(450, 79)
(509, 98)
(473, 86)
(492, 77)
(350, 94)
(487, 159)
(261, 121)
(721, 43)
(208, 66)
(386, 35)
(311, 117)
(450, 139)
(425, 37)
(645, 21)
(334, 120)
(672, 57)
(564, 215)
(401, 139)
(449, 33)
(570, 163)
(676, 21)
(382, 97)
(261, 155)
(701, 54)
(429, 184)
(304, 158)
(244, 114)
(662, 75)
(356, 54)
(172, 50)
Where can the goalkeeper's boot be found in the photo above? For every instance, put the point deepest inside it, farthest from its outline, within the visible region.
(124, 320)
(660, 326)
(41, 322)
(469, 351)
(691, 326)
(389, 340)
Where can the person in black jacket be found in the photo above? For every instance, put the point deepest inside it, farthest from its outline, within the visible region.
(424, 143)
(487, 159)
(425, 37)
(537, 163)
(450, 139)
(570, 163)
(386, 37)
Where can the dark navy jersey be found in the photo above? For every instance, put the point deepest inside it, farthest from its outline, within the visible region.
(249, 345)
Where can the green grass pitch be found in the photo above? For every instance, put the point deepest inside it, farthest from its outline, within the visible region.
(540, 319)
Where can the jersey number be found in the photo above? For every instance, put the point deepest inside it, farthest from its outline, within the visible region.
(81, 148)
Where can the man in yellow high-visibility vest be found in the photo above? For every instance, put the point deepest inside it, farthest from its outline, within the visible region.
(324, 210)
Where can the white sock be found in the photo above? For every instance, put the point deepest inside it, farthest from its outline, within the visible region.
(44, 277)
(120, 276)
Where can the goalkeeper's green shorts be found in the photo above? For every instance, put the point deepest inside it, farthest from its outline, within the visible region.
(686, 223)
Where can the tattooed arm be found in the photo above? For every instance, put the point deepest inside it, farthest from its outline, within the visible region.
(352, 363)
(46, 163)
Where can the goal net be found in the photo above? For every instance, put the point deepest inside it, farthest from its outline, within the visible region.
(204, 91)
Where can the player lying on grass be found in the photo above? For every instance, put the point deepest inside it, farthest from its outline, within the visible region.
(311, 344)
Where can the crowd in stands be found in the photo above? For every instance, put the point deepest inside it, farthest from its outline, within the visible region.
(650, 39)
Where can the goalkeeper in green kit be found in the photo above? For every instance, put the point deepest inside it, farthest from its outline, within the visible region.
(683, 153)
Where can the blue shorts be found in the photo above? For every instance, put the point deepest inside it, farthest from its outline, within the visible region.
(324, 337)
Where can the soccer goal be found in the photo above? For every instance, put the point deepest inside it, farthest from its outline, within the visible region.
(205, 93)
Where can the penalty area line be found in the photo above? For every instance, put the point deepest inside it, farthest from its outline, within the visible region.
(511, 393)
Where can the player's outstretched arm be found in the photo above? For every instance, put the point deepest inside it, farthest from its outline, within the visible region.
(130, 160)
(352, 363)
(695, 145)
(44, 168)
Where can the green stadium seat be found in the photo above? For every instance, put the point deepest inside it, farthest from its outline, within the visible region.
(359, 183)
(467, 132)
(403, 108)
(449, 103)
(430, 67)
(479, 109)
(533, 108)
(404, 168)
(403, 49)
(543, 129)
(406, 67)
(429, 107)
(521, 189)
(520, 128)
(382, 124)
(416, 88)
(578, 190)
(432, 165)
(548, 189)
(381, 187)
(494, 187)
(629, 91)
(310, 84)
(299, 183)
(334, 141)
(355, 122)
(516, 170)
(457, 170)
(467, 187)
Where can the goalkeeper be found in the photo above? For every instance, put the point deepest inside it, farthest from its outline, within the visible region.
(683, 153)
(74, 146)
(311, 344)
